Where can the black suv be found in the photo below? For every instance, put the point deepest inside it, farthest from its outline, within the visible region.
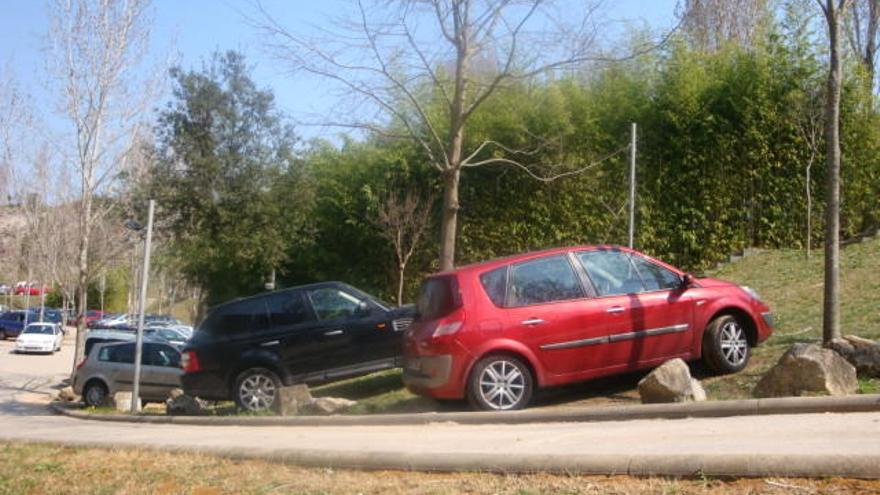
(247, 348)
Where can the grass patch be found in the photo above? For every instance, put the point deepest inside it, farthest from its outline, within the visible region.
(35, 468)
(869, 385)
(381, 392)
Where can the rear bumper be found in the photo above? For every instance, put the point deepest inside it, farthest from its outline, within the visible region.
(437, 376)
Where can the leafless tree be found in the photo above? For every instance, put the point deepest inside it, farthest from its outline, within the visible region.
(833, 10)
(420, 69)
(95, 49)
(862, 29)
(810, 126)
(402, 219)
(711, 24)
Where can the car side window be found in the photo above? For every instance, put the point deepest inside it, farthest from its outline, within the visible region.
(160, 355)
(331, 303)
(120, 353)
(287, 308)
(495, 285)
(543, 280)
(241, 317)
(611, 272)
(655, 276)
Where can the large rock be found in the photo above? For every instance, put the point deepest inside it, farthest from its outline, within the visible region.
(330, 405)
(67, 394)
(293, 399)
(862, 353)
(180, 404)
(671, 382)
(122, 401)
(808, 369)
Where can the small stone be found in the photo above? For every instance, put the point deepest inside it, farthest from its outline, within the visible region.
(671, 382)
(175, 393)
(292, 399)
(808, 369)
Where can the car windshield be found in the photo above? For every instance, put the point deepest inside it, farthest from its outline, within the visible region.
(39, 329)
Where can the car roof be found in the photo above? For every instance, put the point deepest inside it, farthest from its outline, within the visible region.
(316, 285)
(517, 258)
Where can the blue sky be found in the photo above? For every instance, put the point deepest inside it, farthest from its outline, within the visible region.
(196, 28)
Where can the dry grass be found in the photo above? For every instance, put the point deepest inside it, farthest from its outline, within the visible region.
(42, 469)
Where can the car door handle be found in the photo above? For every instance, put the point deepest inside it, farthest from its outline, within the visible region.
(532, 322)
(270, 343)
(615, 309)
(333, 333)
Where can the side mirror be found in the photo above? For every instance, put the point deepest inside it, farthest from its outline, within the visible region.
(363, 308)
(687, 280)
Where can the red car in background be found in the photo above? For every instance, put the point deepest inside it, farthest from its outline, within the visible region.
(494, 332)
(92, 315)
(33, 289)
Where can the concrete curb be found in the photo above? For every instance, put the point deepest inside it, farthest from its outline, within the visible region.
(710, 409)
(677, 465)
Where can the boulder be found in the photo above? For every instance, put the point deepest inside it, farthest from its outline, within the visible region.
(182, 404)
(67, 394)
(294, 398)
(122, 402)
(330, 405)
(808, 369)
(671, 382)
(175, 393)
(862, 353)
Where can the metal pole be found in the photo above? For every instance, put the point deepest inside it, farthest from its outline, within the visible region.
(139, 341)
(632, 185)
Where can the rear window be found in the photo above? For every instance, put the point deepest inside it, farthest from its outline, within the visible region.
(437, 298)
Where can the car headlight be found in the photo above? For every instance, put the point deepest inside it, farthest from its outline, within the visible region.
(752, 292)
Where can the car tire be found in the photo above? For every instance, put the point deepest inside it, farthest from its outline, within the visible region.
(2, 334)
(95, 393)
(726, 346)
(500, 382)
(256, 390)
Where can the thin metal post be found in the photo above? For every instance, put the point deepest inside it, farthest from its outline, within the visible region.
(139, 341)
(632, 186)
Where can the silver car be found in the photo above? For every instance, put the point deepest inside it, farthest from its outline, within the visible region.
(109, 368)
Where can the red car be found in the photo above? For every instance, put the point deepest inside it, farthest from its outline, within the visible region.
(494, 332)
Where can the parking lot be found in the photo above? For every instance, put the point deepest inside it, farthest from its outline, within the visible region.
(33, 378)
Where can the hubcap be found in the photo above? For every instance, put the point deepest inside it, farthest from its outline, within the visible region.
(734, 345)
(502, 385)
(95, 395)
(257, 392)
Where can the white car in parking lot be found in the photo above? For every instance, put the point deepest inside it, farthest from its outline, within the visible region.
(40, 337)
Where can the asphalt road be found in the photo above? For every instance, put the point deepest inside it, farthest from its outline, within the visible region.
(808, 444)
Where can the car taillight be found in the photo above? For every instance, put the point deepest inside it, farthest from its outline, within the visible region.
(447, 328)
(82, 363)
(190, 362)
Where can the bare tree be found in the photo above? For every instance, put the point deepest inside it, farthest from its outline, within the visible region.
(862, 30)
(710, 24)
(95, 48)
(420, 69)
(810, 128)
(833, 10)
(402, 220)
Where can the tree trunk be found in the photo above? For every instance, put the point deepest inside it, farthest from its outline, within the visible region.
(82, 287)
(809, 209)
(831, 313)
(450, 219)
(400, 274)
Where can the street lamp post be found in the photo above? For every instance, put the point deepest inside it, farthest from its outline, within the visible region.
(142, 306)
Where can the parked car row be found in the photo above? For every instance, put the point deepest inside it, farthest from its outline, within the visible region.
(492, 332)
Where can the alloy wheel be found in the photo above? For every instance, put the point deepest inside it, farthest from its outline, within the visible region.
(502, 384)
(257, 392)
(734, 345)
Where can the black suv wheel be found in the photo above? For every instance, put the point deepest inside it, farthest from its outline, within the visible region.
(256, 389)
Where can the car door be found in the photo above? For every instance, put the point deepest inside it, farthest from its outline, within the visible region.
(118, 365)
(306, 345)
(353, 321)
(642, 325)
(549, 311)
(160, 370)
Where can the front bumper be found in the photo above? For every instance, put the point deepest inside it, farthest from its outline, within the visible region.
(34, 347)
